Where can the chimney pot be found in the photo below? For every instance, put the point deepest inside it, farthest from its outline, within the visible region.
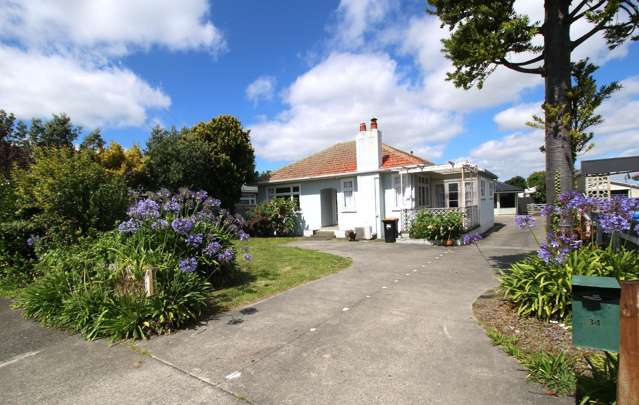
(362, 127)
(373, 123)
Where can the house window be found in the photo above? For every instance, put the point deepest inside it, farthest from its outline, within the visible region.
(248, 200)
(469, 193)
(348, 197)
(492, 189)
(453, 195)
(483, 189)
(290, 192)
(423, 194)
(440, 196)
(397, 187)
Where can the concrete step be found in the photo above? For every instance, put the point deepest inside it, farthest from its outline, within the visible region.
(325, 235)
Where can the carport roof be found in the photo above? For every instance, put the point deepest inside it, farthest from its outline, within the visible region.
(506, 188)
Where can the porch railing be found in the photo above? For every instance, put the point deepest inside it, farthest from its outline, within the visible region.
(471, 215)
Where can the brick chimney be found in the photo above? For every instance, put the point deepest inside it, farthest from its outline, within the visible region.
(369, 147)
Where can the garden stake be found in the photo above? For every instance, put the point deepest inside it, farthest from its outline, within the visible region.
(149, 282)
(628, 377)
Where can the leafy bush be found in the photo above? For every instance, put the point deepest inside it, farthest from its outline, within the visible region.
(96, 289)
(436, 226)
(277, 217)
(543, 289)
(17, 251)
(69, 195)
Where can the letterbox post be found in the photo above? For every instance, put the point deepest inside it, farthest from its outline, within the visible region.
(628, 377)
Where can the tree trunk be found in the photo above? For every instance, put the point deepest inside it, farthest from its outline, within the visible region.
(559, 165)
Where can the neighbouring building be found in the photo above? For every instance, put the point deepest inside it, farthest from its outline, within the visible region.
(355, 185)
(248, 199)
(506, 198)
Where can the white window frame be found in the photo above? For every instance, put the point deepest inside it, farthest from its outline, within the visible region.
(422, 191)
(469, 193)
(483, 189)
(291, 193)
(458, 194)
(345, 205)
(491, 187)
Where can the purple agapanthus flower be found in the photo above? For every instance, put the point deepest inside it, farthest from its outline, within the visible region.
(471, 238)
(144, 209)
(188, 265)
(212, 249)
(128, 227)
(160, 224)
(525, 221)
(31, 241)
(212, 203)
(243, 235)
(194, 240)
(248, 257)
(172, 206)
(226, 256)
(182, 226)
(201, 195)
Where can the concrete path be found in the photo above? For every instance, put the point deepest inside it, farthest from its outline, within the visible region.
(396, 327)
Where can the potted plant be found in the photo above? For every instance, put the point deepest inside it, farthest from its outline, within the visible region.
(451, 227)
(351, 235)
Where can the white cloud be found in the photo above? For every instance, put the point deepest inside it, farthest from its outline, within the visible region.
(112, 27)
(618, 135)
(261, 88)
(326, 104)
(36, 85)
(357, 18)
(517, 116)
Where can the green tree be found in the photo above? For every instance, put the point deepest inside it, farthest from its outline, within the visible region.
(538, 180)
(13, 147)
(517, 181)
(57, 132)
(93, 141)
(487, 34)
(216, 156)
(584, 98)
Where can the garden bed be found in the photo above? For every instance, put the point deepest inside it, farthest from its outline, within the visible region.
(545, 350)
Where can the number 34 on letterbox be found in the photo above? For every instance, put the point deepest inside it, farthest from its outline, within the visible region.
(595, 312)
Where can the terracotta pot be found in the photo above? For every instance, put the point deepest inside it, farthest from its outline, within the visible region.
(449, 242)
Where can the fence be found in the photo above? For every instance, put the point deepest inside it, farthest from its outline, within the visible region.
(471, 215)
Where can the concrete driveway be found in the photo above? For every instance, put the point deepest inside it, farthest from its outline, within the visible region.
(396, 327)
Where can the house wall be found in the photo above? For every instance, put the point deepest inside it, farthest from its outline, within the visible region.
(486, 205)
(363, 212)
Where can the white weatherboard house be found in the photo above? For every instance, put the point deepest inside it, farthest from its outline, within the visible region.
(355, 185)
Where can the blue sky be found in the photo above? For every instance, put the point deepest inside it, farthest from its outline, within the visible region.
(300, 75)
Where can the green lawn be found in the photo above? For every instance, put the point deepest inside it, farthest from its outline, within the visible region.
(275, 268)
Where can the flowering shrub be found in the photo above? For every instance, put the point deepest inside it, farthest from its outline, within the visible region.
(611, 216)
(541, 285)
(98, 288)
(471, 238)
(277, 217)
(190, 224)
(435, 226)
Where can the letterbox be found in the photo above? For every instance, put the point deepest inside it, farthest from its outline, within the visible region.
(595, 312)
